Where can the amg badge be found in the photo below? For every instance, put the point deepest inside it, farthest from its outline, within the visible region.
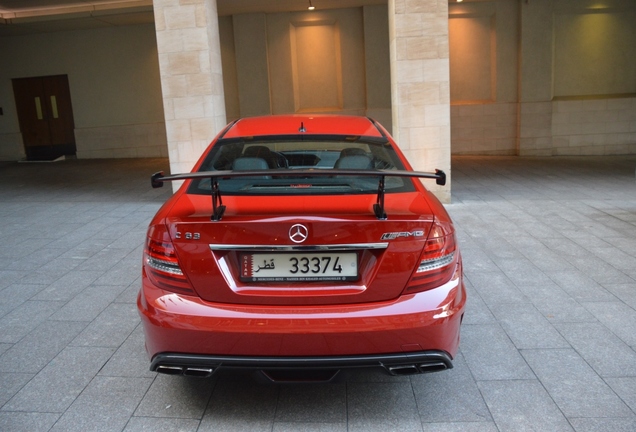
(394, 235)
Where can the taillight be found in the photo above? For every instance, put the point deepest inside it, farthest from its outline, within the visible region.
(162, 264)
(438, 262)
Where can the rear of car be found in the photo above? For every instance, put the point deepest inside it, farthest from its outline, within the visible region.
(301, 243)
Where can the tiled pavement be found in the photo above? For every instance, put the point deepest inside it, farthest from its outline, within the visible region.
(548, 341)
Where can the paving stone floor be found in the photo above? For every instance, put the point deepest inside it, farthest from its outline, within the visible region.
(548, 341)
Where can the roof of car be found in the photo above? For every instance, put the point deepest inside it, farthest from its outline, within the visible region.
(322, 124)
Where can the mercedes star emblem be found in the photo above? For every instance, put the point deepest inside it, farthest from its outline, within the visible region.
(298, 233)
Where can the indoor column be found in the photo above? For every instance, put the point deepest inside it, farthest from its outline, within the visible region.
(191, 77)
(420, 93)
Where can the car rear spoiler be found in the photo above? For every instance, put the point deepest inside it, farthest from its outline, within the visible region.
(218, 208)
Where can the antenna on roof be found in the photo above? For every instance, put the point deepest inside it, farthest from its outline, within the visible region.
(302, 128)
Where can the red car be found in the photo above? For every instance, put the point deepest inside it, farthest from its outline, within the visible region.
(298, 246)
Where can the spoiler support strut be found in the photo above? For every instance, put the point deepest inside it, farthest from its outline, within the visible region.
(218, 209)
(378, 207)
(217, 204)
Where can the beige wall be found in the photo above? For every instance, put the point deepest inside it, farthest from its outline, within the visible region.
(334, 61)
(543, 77)
(114, 85)
(531, 78)
(484, 73)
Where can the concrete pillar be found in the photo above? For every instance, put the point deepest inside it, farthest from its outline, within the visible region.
(420, 91)
(191, 77)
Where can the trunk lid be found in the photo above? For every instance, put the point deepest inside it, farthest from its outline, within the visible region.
(227, 261)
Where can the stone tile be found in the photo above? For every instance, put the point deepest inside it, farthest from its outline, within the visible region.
(381, 407)
(102, 261)
(461, 427)
(599, 271)
(111, 327)
(527, 327)
(517, 218)
(27, 421)
(129, 295)
(8, 277)
(176, 396)
(626, 244)
(117, 230)
(458, 402)
(153, 424)
(124, 272)
(38, 348)
(68, 286)
(573, 385)
(309, 427)
(130, 359)
(604, 424)
(239, 404)
(616, 316)
(51, 272)
(564, 247)
(624, 292)
(580, 286)
(105, 405)
(496, 359)
(369, 375)
(476, 310)
(24, 248)
(496, 247)
(522, 405)
(522, 272)
(547, 260)
(476, 260)
(133, 238)
(616, 257)
(602, 350)
(24, 318)
(313, 403)
(58, 384)
(556, 305)
(590, 242)
(13, 295)
(87, 305)
(495, 287)
(625, 388)
(35, 260)
(11, 383)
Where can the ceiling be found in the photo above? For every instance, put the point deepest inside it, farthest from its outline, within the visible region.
(20, 17)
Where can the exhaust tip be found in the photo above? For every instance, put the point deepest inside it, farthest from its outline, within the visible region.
(403, 370)
(169, 370)
(198, 372)
(433, 367)
(185, 370)
(411, 369)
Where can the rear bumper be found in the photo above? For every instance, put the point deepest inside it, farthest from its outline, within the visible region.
(188, 331)
(394, 364)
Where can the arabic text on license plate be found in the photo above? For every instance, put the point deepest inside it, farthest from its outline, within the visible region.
(299, 267)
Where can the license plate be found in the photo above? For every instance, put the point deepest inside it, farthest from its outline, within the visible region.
(299, 267)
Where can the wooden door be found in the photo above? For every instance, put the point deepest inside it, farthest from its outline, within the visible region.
(45, 115)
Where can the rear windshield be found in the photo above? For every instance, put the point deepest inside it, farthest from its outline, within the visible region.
(295, 153)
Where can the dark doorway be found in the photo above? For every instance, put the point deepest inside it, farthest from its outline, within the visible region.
(45, 115)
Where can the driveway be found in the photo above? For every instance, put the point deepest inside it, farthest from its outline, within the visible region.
(548, 340)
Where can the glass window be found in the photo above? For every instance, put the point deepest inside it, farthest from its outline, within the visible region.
(295, 153)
